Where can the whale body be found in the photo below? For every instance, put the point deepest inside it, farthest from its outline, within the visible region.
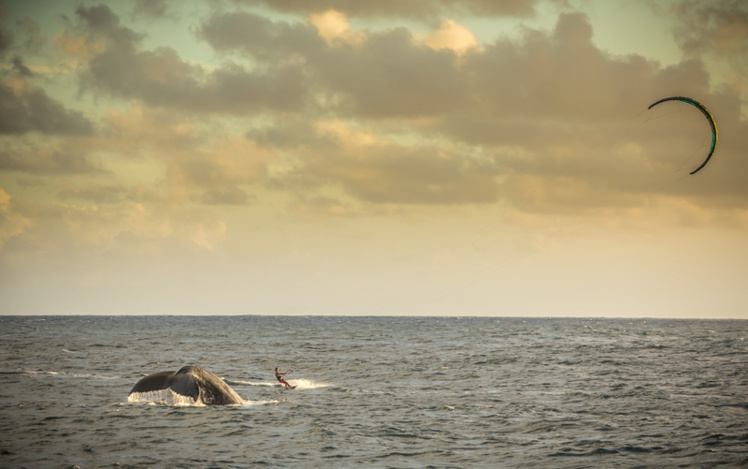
(191, 381)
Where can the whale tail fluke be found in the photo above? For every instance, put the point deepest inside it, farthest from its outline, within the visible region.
(191, 381)
(155, 382)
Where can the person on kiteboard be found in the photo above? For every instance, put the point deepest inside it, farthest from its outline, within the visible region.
(279, 377)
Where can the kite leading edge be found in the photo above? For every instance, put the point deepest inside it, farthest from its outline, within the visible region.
(706, 113)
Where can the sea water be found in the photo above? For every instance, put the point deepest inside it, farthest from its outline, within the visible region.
(377, 392)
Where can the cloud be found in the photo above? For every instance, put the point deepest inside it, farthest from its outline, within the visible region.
(716, 31)
(11, 223)
(259, 37)
(20, 68)
(225, 195)
(335, 28)
(26, 108)
(386, 116)
(35, 40)
(719, 27)
(150, 8)
(391, 75)
(412, 9)
(395, 74)
(190, 159)
(98, 193)
(383, 172)
(6, 37)
(101, 226)
(48, 160)
(535, 108)
(106, 226)
(161, 78)
(379, 74)
(452, 36)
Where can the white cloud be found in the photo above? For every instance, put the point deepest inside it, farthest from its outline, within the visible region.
(335, 28)
(452, 36)
(11, 223)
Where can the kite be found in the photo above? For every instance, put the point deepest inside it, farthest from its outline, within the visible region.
(706, 113)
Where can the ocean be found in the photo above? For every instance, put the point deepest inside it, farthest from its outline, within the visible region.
(389, 392)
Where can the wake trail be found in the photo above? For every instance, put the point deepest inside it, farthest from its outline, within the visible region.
(301, 383)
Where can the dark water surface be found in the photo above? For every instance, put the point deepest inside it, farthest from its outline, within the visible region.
(378, 392)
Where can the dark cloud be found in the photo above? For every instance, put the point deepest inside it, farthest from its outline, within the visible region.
(392, 76)
(403, 175)
(29, 109)
(720, 27)
(161, 78)
(150, 8)
(288, 132)
(98, 194)
(109, 193)
(559, 75)
(413, 177)
(718, 30)
(228, 195)
(532, 103)
(389, 75)
(412, 9)
(6, 39)
(19, 67)
(51, 161)
(35, 40)
(260, 37)
(547, 94)
(102, 20)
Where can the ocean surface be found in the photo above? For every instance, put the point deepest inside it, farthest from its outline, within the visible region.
(377, 392)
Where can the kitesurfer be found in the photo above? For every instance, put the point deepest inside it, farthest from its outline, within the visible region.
(279, 377)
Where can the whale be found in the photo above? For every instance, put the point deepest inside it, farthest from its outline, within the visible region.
(194, 382)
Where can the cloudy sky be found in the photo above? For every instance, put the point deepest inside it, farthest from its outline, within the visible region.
(420, 157)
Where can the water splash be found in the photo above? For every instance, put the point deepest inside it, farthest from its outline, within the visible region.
(302, 384)
(162, 396)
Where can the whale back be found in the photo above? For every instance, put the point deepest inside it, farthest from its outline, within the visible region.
(212, 389)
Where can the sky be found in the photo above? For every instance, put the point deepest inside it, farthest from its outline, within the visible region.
(349, 157)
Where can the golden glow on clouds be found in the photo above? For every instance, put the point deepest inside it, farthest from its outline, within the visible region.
(371, 158)
(11, 223)
(335, 28)
(451, 35)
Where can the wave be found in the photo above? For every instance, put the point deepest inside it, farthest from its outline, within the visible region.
(61, 374)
